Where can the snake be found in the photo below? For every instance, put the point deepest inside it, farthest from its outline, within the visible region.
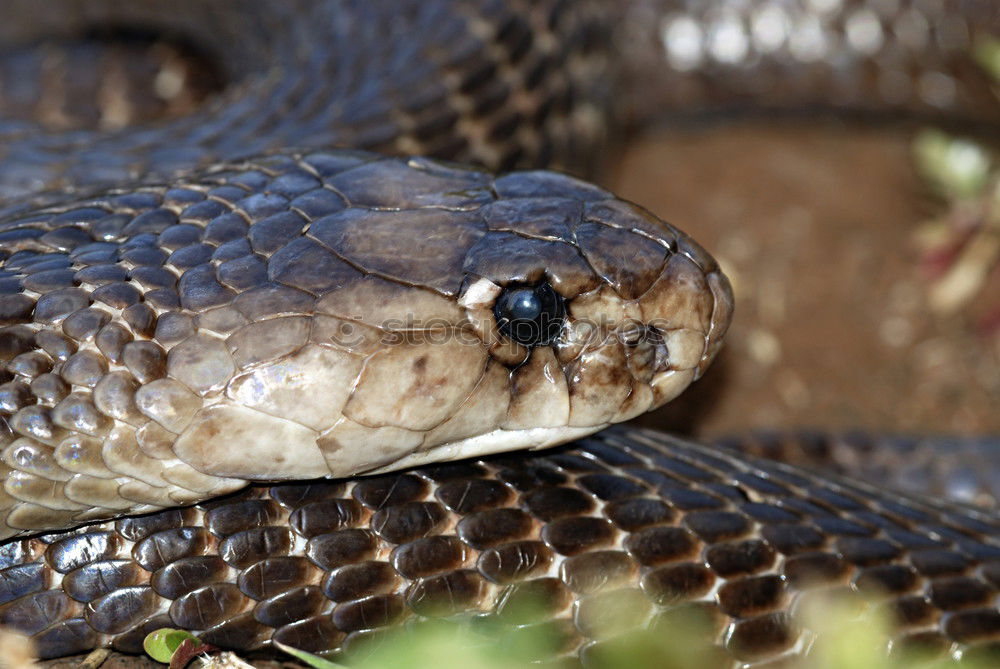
(270, 365)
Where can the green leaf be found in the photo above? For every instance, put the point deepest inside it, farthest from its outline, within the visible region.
(987, 54)
(310, 659)
(161, 644)
(958, 168)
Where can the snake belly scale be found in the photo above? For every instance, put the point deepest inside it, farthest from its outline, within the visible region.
(317, 313)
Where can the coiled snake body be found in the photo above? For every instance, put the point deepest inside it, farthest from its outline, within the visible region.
(317, 312)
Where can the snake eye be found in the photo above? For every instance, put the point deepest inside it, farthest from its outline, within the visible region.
(532, 316)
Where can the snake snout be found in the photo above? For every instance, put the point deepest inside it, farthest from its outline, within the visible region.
(722, 316)
(648, 341)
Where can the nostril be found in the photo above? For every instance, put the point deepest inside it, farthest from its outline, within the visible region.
(652, 338)
(633, 335)
(661, 360)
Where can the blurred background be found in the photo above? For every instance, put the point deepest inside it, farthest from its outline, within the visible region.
(863, 245)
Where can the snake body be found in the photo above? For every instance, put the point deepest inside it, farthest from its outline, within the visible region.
(627, 530)
(318, 312)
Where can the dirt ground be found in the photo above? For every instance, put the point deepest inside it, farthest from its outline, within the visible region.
(815, 225)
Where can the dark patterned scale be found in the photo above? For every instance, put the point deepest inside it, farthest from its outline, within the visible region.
(492, 83)
(624, 531)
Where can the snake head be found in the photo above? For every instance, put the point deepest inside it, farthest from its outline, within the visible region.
(331, 314)
(453, 314)
(598, 310)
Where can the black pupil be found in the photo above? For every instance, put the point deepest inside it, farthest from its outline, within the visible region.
(532, 316)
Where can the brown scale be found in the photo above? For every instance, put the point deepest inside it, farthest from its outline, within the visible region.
(497, 85)
(585, 543)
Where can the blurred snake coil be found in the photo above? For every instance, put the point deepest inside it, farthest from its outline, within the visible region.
(270, 350)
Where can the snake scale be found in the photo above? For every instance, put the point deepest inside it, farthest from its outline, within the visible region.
(224, 297)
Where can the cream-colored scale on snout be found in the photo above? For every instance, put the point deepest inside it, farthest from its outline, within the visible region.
(679, 305)
(539, 396)
(598, 382)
